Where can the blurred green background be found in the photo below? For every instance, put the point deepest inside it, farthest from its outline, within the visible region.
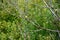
(28, 20)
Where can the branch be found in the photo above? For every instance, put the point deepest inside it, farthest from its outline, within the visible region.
(44, 29)
(39, 27)
(52, 11)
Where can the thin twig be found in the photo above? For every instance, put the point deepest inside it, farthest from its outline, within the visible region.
(52, 10)
(40, 28)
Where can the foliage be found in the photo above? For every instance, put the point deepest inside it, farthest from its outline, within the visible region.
(28, 20)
